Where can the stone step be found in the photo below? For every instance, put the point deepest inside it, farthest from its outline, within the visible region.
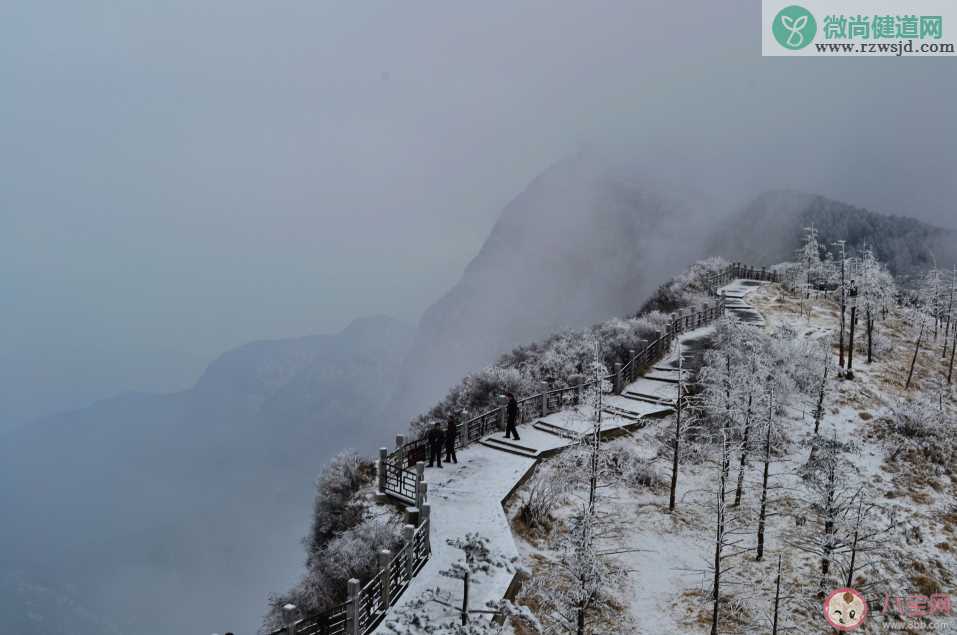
(621, 412)
(507, 445)
(667, 380)
(558, 431)
(637, 396)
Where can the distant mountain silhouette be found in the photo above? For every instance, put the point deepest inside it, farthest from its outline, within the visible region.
(186, 495)
(585, 241)
(770, 230)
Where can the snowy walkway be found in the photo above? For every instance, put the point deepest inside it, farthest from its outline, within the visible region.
(468, 496)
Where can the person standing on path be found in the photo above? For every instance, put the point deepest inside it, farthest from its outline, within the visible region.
(451, 432)
(511, 416)
(435, 438)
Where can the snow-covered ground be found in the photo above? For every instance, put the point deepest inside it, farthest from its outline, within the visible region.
(668, 554)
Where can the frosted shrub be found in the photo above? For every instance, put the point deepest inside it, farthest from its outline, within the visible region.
(336, 505)
(881, 343)
(917, 418)
(538, 503)
(634, 470)
(351, 554)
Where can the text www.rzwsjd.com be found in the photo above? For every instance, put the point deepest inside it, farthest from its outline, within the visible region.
(903, 47)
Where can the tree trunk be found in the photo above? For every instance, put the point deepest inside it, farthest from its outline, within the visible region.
(819, 411)
(465, 599)
(857, 528)
(718, 544)
(744, 454)
(829, 526)
(764, 481)
(674, 462)
(843, 311)
(777, 599)
(870, 332)
(910, 373)
(953, 347)
(850, 345)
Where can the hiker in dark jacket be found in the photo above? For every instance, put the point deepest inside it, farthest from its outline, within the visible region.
(451, 432)
(435, 438)
(511, 416)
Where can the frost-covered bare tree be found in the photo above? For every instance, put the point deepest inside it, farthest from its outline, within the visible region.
(756, 360)
(826, 365)
(809, 256)
(950, 310)
(852, 301)
(684, 422)
(568, 590)
(766, 473)
(831, 497)
(719, 380)
(875, 285)
(579, 582)
(919, 314)
(842, 290)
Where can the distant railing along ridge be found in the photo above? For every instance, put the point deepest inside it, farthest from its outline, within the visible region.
(407, 454)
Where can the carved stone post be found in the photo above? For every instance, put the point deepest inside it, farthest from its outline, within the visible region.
(352, 619)
(544, 403)
(412, 516)
(425, 518)
(289, 614)
(383, 453)
(399, 442)
(385, 575)
(408, 535)
(419, 477)
(421, 493)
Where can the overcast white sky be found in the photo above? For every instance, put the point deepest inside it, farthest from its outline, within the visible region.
(178, 178)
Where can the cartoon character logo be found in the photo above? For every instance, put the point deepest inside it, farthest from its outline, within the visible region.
(845, 609)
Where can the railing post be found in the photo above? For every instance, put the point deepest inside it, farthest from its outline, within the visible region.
(421, 492)
(544, 403)
(352, 621)
(425, 519)
(618, 382)
(399, 442)
(408, 535)
(419, 477)
(633, 369)
(289, 612)
(412, 516)
(383, 453)
(385, 577)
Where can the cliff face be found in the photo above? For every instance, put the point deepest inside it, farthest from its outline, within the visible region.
(582, 243)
